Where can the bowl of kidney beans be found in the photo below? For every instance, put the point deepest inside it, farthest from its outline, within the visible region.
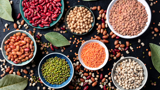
(41, 14)
(19, 47)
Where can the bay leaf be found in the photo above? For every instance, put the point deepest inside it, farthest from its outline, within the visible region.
(6, 10)
(155, 56)
(56, 39)
(13, 82)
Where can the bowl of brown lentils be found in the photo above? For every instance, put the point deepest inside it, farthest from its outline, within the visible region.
(79, 20)
(129, 73)
(128, 18)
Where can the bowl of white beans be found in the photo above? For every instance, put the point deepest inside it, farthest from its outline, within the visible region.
(129, 73)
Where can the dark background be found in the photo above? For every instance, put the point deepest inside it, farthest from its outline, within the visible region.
(146, 38)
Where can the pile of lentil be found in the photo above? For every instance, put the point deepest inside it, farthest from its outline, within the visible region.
(93, 54)
(55, 70)
(128, 17)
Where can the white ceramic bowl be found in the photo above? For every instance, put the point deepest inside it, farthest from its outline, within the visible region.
(140, 63)
(105, 61)
(130, 37)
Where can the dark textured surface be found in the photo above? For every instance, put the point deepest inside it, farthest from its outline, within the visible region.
(146, 38)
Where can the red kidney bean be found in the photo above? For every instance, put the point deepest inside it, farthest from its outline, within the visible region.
(27, 4)
(22, 3)
(104, 87)
(25, 14)
(101, 76)
(26, 11)
(59, 8)
(117, 37)
(33, 7)
(47, 18)
(50, 20)
(47, 25)
(114, 53)
(44, 22)
(59, 4)
(48, 14)
(38, 36)
(89, 77)
(34, 18)
(47, 1)
(50, 7)
(45, 9)
(62, 28)
(38, 21)
(42, 14)
(56, 11)
(85, 84)
(126, 49)
(105, 11)
(41, 7)
(57, 0)
(30, 21)
(103, 21)
(38, 15)
(41, 25)
(19, 15)
(86, 88)
(24, 8)
(51, 47)
(34, 24)
(29, 13)
(117, 50)
(43, 3)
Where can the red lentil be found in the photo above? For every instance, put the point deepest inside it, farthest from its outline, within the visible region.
(93, 55)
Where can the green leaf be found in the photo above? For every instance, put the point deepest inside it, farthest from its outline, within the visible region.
(155, 56)
(56, 39)
(6, 10)
(13, 82)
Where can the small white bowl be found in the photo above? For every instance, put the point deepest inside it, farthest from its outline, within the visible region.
(140, 63)
(105, 61)
(148, 10)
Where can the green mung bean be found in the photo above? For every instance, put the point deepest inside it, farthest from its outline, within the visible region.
(55, 70)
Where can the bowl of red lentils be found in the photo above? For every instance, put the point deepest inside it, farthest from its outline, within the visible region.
(128, 18)
(93, 54)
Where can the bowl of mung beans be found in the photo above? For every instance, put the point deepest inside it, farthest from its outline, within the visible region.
(79, 20)
(55, 70)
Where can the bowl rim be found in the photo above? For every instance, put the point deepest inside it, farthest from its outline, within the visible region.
(92, 22)
(135, 36)
(60, 16)
(139, 62)
(35, 47)
(41, 63)
(106, 50)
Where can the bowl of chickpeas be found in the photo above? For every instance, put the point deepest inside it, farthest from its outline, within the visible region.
(19, 47)
(79, 20)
